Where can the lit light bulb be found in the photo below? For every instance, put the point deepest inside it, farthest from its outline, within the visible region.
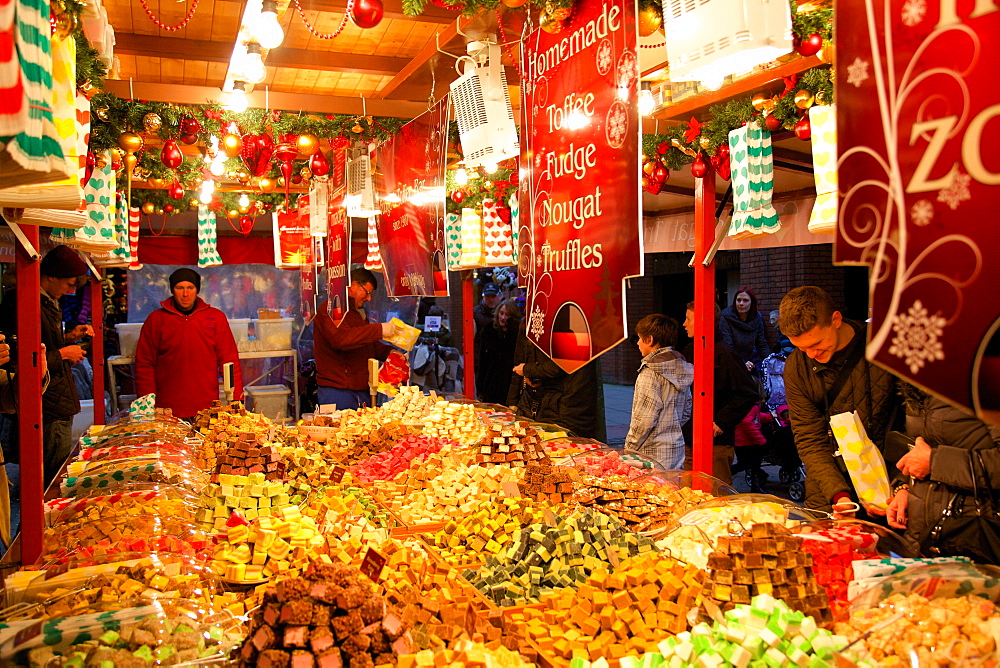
(253, 65)
(207, 189)
(266, 28)
(490, 167)
(218, 165)
(461, 176)
(646, 102)
(244, 201)
(237, 101)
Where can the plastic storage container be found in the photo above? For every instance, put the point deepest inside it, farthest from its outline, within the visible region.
(240, 328)
(274, 334)
(128, 337)
(269, 400)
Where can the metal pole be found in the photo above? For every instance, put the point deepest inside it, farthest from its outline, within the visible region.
(469, 336)
(704, 322)
(29, 396)
(97, 345)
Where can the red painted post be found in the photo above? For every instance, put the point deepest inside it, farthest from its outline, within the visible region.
(704, 321)
(97, 345)
(468, 336)
(29, 393)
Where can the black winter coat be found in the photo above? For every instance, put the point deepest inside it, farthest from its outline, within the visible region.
(954, 436)
(571, 400)
(494, 363)
(735, 393)
(869, 390)
(745, 336)
(60, 401)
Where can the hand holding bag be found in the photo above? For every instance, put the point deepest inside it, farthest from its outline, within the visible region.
(968, 531)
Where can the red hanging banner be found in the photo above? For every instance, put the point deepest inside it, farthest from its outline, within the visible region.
(918, 106)
(292, 240)
(338, 255)
(409, 185)
(580, 223)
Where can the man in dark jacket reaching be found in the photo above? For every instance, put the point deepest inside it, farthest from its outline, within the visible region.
(827, 375)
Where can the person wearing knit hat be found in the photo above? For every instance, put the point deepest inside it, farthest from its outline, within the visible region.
(182, 347)
(61, 270)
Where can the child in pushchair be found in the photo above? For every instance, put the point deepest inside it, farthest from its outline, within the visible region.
(773, 442)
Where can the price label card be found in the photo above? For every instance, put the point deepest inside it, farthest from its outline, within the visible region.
(432, 323)
(372, 565)
(326, 409)
(56, 571)
(26, 634)
(270, 433)
(338, 474)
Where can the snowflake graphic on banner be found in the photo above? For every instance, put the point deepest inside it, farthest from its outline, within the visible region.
(537, 322)
(857, 72)
(617, 124)
(628, 70)
(604, 56)
(917, 337)
(913, 12)
(922, 213)
(957, 192)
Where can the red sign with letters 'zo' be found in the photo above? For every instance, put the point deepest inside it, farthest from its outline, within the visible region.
(580, 224)
(918, 109)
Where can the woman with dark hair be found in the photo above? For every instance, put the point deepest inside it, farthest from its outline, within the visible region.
(742, 327)
(496, 344)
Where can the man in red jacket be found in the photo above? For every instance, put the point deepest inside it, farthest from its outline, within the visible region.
(342, 348)
(182, 348)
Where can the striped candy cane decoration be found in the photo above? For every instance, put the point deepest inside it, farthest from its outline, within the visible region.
(133, 238)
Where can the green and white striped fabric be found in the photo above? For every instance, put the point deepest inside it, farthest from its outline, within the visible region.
(753, 182)
(208, 254)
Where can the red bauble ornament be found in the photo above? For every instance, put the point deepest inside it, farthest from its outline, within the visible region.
(189, 138)
(318, 164)
(171, 155)
(91, 162)
(458, 196)
(246, 225)
(810, 46)
(189, 126)
(699, 168)
(176, 191)
(803, 129)
(256, 153)
(772, 123)
(660, 174)
(444, 5)
(367, 13)
(297, 179)
(168, 208)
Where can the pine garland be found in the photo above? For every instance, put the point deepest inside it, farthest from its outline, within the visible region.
(222, 202)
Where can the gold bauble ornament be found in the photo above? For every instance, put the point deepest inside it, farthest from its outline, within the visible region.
(705, 142)
(804, 99)
(357, 129)
(513, 4)
(148, 207)
(232, 214)
(281, 182)
(157, 182)
(759, 101)
(193, 204)
(160, 212)
(102, 113)
(305, 173)
(307, 144)
(649, 21)
(117, 154)
(243, 177)
(265, 184)
(87, 87)
(244, 209)
(828, 54)
(152, 122)
(130, 142)
(66, 24)
(232, 145)
(140, 174)
(551, 25)
(130, 162)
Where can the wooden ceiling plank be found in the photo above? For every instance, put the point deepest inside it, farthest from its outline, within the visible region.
(423, 57)
(181, 49)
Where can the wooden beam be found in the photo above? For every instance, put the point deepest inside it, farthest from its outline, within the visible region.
(393, 10)
(220, 52)
(424, 57)
(310, 104)
(701, 103)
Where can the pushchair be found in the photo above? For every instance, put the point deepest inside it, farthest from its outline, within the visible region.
(779, 447)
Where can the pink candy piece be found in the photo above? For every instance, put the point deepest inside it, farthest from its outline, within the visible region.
(387, 465)
(605, 465)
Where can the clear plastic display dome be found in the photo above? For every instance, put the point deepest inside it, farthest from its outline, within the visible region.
(611, 462)
(943, 613)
